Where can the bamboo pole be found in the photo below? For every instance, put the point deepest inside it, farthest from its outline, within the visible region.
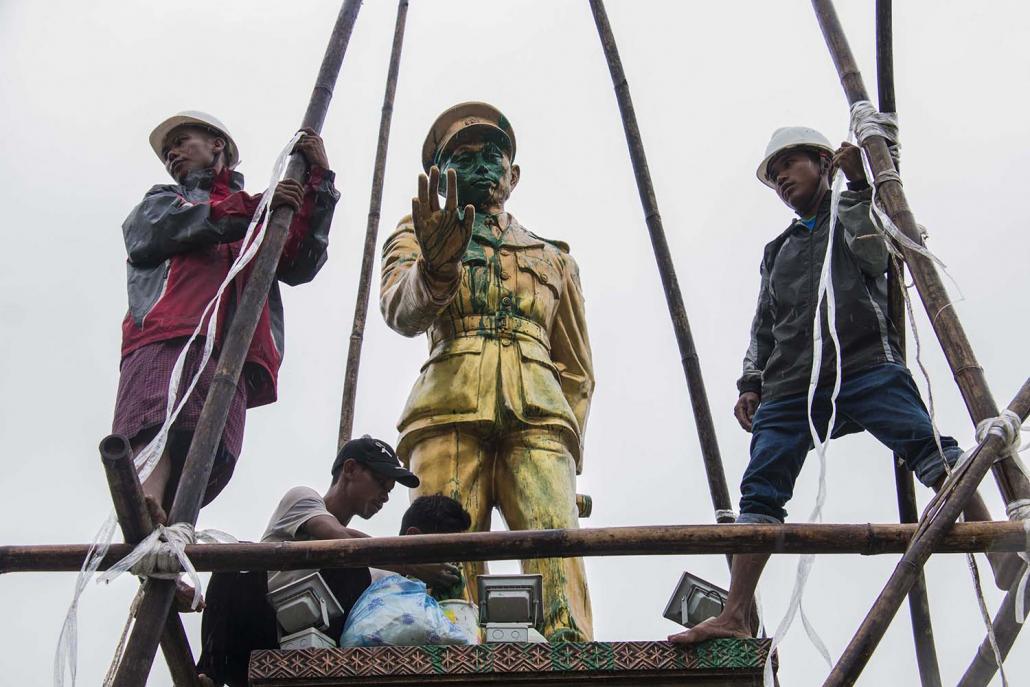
(862, 645)
(375, 204)
(158, 594)
(671, 540)
(967, 371)
(135, 522)
(983, 667)
(674, 298)
(918, 598)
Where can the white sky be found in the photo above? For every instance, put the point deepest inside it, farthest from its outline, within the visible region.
(84, 84)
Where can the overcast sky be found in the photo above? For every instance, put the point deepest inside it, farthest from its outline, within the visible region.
(84, 83)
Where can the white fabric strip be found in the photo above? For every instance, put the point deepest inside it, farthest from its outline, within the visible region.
(806, 561)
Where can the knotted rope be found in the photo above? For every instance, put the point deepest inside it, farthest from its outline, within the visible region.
(1008, 426)
(806, 561)
(727, 514)
(1020, 510)
(162, 556)
(66, 655)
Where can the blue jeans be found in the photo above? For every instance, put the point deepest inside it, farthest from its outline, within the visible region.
(882, 400)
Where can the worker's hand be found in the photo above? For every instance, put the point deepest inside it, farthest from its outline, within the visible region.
(443, 235)
(438, 575)
(848, 159)
(184, 598)
(745, 408)
(312, 148)
(288, 192)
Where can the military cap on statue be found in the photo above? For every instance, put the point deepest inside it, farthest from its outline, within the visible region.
(456, 123)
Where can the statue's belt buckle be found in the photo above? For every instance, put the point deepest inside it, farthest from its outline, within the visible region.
(502, 325)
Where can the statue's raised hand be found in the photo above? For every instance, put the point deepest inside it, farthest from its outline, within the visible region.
(442, 233)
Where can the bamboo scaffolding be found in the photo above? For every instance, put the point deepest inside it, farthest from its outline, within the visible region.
(862, 645)
(918, 598)
(158, 594)
(672, 540)
(375, 204)
(968, 373)
(681, 325)
(135, 522)
(983, 667)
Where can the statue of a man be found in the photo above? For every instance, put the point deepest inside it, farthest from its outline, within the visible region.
(497, 416)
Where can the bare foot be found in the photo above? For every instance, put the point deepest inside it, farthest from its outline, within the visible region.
(1006, 568)
(713, 628)
(184, 598)
(157, 513)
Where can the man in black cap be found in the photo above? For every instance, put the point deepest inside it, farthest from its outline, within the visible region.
(364, 474)
(238, 619)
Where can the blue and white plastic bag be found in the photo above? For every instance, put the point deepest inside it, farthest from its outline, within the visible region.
(397, 611)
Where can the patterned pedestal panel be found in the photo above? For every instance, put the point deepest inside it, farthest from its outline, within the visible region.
(719, 662)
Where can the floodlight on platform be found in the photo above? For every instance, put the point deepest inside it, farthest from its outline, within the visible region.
(509, 605)
(304, 604)
(694, 601)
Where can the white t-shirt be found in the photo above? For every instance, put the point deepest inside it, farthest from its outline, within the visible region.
(299, 505)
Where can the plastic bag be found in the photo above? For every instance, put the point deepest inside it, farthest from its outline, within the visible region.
(397, 611)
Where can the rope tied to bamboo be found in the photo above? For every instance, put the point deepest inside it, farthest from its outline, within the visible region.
(1008, 426)
(868, 121)
(162, 555)
(727, 514)
(1020, 510)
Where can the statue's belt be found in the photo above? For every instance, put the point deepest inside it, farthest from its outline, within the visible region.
(501, 325)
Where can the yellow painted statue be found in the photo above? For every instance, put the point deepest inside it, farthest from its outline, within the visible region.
(497, 416)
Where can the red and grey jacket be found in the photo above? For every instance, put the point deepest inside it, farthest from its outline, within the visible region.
(181, 241)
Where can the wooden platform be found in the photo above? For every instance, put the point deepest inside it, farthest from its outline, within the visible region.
(717, 663)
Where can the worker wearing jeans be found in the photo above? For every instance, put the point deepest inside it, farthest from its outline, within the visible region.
(883, 400)
(877, 393)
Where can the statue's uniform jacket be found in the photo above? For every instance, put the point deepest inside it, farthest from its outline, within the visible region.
(508, 339)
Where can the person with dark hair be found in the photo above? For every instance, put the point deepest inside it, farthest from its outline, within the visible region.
(877, 393)
(436, 514)
(238, 618)
(364, 474)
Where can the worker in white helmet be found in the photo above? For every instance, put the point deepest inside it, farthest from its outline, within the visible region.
(181, 240)
(877, 392)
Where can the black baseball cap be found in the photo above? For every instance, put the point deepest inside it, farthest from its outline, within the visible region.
(378, 456)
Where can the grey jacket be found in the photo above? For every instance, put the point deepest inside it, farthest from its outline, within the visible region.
(779, 358)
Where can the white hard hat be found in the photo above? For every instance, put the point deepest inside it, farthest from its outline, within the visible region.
(196, 118)
(788, 137)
